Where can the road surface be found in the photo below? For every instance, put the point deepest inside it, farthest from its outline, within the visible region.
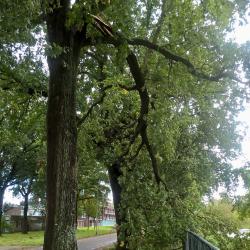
(91, 243)
(96, 242)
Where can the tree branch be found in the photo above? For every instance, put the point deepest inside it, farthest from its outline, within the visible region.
(170, 55)
(145, 140)
(12, 79)
(141, 127)
(163, 51)
(99, 101)
(155, 35)
(128, 88)
(158, 25)
(137, 151)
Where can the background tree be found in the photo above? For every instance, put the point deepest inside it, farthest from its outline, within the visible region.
(242, 202)
(228, 221)
(24, 188)
(91, 207)
(20, 76)
(17, 121)
(28, 173)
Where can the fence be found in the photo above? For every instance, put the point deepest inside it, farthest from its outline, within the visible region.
(195, 242)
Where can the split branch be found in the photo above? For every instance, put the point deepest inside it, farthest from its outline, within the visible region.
(164, 52)
(141, 127)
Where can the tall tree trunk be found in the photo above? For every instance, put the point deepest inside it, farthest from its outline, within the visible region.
(61, 133)
(114, 174)
(2, 190)
(25, 226)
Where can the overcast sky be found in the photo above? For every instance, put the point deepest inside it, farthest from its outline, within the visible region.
(241, 35)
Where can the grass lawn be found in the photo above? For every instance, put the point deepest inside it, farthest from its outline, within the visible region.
(36, 238)
(109, 248)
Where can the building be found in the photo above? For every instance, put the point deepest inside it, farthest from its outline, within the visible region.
(107, 217)
(14, 218)
(18, 210)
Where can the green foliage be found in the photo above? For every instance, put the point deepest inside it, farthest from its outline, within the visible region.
(243, 202)
(54, 50)
(92, 207)
(191, 125)
(226, 220)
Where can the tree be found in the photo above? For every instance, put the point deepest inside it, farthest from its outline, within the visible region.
(7, 176)
(24, 188)
(92, 208)
(19, 74)
(190, 57)
(68, 38)
(18, 119)
(244, 201)
(227, 221)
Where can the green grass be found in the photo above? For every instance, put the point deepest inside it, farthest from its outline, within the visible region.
(36, 238)
(110, 247)
(84, 232)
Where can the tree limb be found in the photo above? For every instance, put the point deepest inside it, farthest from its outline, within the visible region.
(99, 101)
(171, 56)
(141, 127)
(137, 151)
(131, 88)
(163, 51)
(155, 35)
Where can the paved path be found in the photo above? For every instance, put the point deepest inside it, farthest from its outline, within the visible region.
(91, 243)
(96, 242)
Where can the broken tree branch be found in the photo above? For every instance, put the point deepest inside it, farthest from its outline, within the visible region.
(164, 52)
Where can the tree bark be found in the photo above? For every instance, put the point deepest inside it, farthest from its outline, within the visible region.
(61, 134)
(114, 174)
(1, 209)
(25, 226)
(95, 226)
